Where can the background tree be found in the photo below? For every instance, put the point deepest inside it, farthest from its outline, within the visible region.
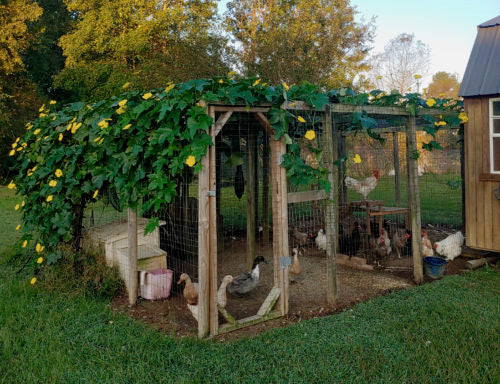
(313, 40)
(403, 58)
(18, 96)
(146, 43)
(444, 84)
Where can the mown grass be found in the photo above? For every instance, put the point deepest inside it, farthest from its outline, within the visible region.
(438, 333)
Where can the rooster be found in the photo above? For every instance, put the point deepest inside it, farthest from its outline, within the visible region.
(450, 247)
(378, 248)
(426, 245)
(349, 244)
(363, 187)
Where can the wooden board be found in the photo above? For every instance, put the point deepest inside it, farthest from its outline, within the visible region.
(304, 196)
(251, 320)
(271, 299)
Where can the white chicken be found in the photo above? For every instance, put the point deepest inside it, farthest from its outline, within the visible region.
(450, 247)
(426, 245)
(386, 242)
(363, 187)
(321, 240)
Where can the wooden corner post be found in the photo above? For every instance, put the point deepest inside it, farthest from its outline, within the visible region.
(414, 198)
(330, 150)
(132, 256)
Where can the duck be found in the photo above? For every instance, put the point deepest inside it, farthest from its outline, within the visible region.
(247, 281)
(190, 291)
(221, 292)
(295, 268)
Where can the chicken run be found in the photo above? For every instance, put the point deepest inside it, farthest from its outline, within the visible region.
(246, 246)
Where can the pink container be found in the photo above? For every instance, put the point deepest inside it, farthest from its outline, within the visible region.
(155, 284)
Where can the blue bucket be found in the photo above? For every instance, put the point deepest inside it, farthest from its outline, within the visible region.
(434, 267)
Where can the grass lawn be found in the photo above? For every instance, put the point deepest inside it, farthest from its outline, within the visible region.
(448, 331)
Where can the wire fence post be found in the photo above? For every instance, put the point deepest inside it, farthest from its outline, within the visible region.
(132, 255)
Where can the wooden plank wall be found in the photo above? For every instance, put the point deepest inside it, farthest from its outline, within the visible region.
(482, 210)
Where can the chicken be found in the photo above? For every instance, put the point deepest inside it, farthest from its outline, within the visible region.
(399, 239)
(384, 239)
(378, 248)
(321, 240)
(301, 237)
(349, 244)
(295, 269)
(426, 245)
(190, 291)
(450, 247)
(363, 187)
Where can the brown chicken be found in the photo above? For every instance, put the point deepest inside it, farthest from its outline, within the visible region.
(427, 249)
(399, 239)
(378, 248)
(301, 237)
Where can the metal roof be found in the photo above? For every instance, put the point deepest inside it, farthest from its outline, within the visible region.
(482, 75)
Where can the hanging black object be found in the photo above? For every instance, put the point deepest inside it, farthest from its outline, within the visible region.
(239, 182)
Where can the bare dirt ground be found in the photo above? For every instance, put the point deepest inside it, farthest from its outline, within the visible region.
(307, 294)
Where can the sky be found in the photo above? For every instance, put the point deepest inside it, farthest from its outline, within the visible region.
(448, 27)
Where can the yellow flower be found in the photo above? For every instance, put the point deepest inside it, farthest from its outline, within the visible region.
(100, 141)
(49, 198)
(18, 227)
(97, 139)
(52, 183)
(42, 108)
(379, 77)
(169, 88)
(121, 110)
(30, 173)
(96, 192)
(11, 185)
(52, 102)
(126, 85)
(463, 117)
(33, 281)
(310, 135)
(231, 74)
(191, 160)
(39, 248)
(439, 123)
(36, 131)
(60, 137)
(14, 145)
(442, 94)
(39, 260)
(25, 243)
(292, 104)
(285, 86)
(29, 126)
(58, 172)
(23, 203)
(126, 127)
(122, 102)
(357, 159)
(417, 77)
(256, 82)
(43, 114)
(103, 123)
(69, 126)
(19, 149)
(90, 108)
(55, 117)
(408, 89)
(12, 153)
(24, 145)
(430, 102)
(16, 207)
(75, 127)
(301, 119)
(147, 96)
(221, 81)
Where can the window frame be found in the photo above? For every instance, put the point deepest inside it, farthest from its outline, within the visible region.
(492, 135)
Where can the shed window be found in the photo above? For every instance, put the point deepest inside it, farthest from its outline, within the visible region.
(495, 135)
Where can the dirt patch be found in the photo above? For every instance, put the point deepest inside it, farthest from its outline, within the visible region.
(307, 294)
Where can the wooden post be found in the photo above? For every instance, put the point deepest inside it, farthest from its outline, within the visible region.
(341, 174)
(397, 182)
(462, 174)
(330, 151)
(414, 198)
(250, 192)
(132, 256)
(204, 246)
(256, 177)
(265, 189)
(213, 312)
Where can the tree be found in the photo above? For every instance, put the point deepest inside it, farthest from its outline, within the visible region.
(146, 42)
(444, 84)
(292, 41)
(402, 63)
